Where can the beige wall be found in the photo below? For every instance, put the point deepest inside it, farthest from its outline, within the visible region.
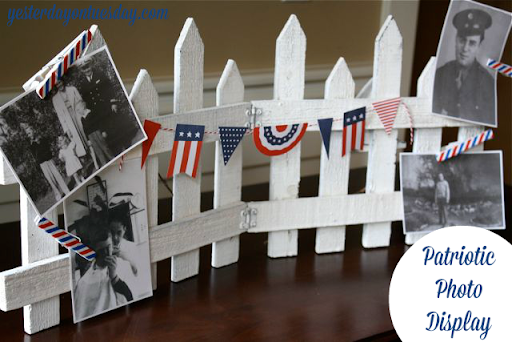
(244, 31)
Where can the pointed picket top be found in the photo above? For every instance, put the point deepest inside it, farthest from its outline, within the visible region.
(366, 90)
(425, 86)
(290, 61)
(231, 86)
(340, 84)
(188, 69)
(387, 66)
(144, 96)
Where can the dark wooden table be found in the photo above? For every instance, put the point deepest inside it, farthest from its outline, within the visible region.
(333, 297)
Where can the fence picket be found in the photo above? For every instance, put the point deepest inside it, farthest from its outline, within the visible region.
(37, 245)
(188, 95)
(285, 169)
(228, 178)
(426, 140)
(334, 171)
(380, 177)
(145, 101)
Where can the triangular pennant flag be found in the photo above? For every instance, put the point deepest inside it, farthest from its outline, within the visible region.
(151, 128)
(387, 110)
(325, 126)
(186, 150)
(230, 138)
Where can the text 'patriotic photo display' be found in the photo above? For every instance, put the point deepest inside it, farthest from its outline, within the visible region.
(56, 144)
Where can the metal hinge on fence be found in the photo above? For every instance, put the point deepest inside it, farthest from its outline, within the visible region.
(248, 218)
(253, 114)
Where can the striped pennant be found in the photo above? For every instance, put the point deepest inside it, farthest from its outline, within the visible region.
(460, 147)
(68, 59)
(502, 68)
(67, 240)
(387, 111)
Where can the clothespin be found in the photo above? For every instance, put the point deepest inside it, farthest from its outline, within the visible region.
(46, 78)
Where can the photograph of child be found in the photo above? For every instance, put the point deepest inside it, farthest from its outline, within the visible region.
(83, 125)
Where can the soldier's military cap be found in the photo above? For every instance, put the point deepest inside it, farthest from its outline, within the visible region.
(471, 22)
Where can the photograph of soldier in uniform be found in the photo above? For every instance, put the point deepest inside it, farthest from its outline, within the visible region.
(109, 215)
(463, 191)
(57, 143)
(464, 87)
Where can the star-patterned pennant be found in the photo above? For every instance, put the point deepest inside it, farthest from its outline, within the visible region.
(230, 138)
(186, 150)
(325, 126)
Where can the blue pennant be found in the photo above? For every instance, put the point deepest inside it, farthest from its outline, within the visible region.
(325, 126)
(230, 138)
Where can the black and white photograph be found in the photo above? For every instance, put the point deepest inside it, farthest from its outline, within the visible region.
(464, 87)
(463, 191)
(109, 215)
(55, 144)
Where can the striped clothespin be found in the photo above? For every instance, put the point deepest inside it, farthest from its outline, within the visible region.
(461, 147)
(500, 67)
(66, 239)
(66, 60)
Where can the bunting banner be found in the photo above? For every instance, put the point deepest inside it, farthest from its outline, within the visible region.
(353, 130)
(230, 138)
(67, 240)
(151, 128)
(387, 110)
(325, 126)
(277, 140)
(186, 150)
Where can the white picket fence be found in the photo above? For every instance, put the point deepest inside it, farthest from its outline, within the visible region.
(44, 275)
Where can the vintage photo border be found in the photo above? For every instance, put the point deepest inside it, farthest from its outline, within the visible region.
(144, 136)
(136, 161)
(469, 153)
(450, 8)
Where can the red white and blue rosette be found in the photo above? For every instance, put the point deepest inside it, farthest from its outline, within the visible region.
(277, 140)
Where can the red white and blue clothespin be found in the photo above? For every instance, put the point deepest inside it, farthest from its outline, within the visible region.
(67, 240)
(460, 147)
(502, 68)
(65, 60)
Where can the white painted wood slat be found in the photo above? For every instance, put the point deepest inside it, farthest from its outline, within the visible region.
(426, 140)
(334, 169)
(37, 245)
(228, 178)
(305, 213)
(145, 101)
(285, 169)
(380, 176)
(295, 111)
(188, 95)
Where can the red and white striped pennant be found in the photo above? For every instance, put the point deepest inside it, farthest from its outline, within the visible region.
(387, 110)
(67, 240)
(59, 69)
